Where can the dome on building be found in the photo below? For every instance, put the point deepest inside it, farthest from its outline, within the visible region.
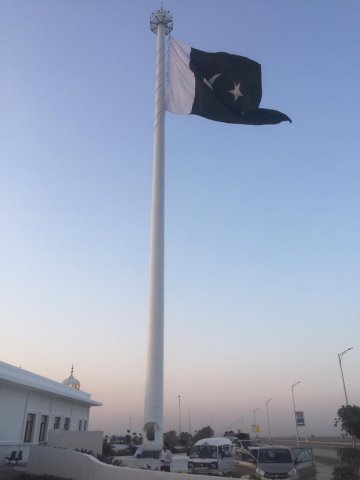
(71, 381)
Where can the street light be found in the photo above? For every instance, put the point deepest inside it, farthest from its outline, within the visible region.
(179, 416)
(340, 355)
(242, 423)
(255, 426)
(267, 412)
(297, 431)
(189, 416)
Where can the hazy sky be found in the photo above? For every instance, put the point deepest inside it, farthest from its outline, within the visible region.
(262, 223)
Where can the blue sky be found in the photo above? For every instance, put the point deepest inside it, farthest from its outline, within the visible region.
(262, 223)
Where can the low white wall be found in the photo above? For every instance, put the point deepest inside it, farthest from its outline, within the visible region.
(89, 440)
(78, 466)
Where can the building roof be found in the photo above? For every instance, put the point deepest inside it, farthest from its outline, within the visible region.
(22, 378)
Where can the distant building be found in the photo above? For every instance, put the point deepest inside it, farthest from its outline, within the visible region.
(32, 406)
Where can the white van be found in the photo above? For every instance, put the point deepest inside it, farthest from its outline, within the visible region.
(211, 456)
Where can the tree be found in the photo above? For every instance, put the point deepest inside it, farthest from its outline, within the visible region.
(349, 420)
(205, 432)
(185, 439)
(171, 438)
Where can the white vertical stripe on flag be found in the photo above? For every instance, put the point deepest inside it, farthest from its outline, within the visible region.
(180, 88)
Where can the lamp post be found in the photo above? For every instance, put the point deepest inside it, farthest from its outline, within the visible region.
(255, 425)
(179, 397)
(296, 425)
(268, 419)
(340, 355)
(242, 423)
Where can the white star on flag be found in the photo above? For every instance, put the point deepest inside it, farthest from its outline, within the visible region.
(236, 91)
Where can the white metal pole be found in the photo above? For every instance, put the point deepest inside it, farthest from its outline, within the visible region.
(189, 422)
(268, 418)
(161, 24)
(296, 425)
(340, 355)
(179, 397)
(255, 425)
(241, 423)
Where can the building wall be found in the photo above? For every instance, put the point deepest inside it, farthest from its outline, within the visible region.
(89, 441)
(17, 402)
(12, 403)
(77, 466)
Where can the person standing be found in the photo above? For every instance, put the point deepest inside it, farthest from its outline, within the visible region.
(139, 452)
(165, 458)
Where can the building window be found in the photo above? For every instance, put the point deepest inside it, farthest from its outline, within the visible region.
(29, 427)
(67, 424)
(85, 424)
(80, 425)
(57, 423)
(43, 427)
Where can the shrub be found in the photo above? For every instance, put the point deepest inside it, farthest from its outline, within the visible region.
(344, 472)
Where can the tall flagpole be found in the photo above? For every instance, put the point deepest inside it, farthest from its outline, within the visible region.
(161, 25)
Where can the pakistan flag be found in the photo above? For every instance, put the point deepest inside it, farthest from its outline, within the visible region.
(218, 86)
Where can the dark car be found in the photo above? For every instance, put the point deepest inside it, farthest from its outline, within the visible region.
(242, 443)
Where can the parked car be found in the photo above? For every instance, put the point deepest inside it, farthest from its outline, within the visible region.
(277, 462)
(254, 451)
(243, 442)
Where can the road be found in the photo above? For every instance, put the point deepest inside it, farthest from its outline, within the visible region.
(325, 460)
(326, 456)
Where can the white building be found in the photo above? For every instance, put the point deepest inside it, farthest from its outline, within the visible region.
(32, 407)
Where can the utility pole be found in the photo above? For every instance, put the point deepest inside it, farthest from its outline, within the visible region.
(296, 425)
(340, 355)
